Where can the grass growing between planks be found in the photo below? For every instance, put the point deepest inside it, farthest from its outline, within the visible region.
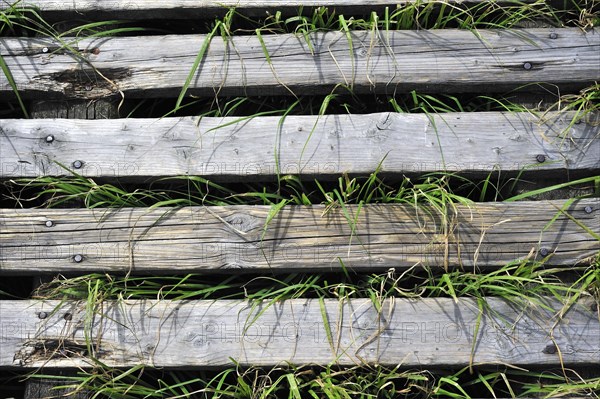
(439, 190)
(364, 382)
(195, 191)
(521, 281)
(517, 282)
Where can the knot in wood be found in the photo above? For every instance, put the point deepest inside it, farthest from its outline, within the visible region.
(242, 222)
(384, 122)
(550, 349)
(376, 134)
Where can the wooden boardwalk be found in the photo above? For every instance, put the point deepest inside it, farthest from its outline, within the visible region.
(85, 78)
(245, 238)
(381, 62)
(411, 333)
(310, 146)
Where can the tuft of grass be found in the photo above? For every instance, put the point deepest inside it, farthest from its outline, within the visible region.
(516, 383)
(585, 104)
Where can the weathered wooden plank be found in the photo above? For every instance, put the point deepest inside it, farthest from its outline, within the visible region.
(474, 144)
(383, 61)
(204, 239)
(207, 9)
(411, 333)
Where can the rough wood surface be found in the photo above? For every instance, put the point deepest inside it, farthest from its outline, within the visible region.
(411, 333)
(384, 62)
(203, 239)
(207, 9)
(323, 147)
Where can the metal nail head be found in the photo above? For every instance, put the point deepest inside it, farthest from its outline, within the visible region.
(42, 315)
(527, 65)
(541, 158)
(544, 251)
(49, 138)
(550, 349)
(78, 258)
(68, 316)
(45, 50)
(49, 223)
(588, 209)
(553, 35)
(77, 164)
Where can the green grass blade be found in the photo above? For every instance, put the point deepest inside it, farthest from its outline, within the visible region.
(594, 179)
(196, 64)
(326, 325)
(13, 85)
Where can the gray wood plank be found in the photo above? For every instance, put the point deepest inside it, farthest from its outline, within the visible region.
(205, 239)
(383, 62)
(232, 148)
(412, 333)
(208, 9)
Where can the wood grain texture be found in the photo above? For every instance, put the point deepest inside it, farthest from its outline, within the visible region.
(410, 333)
(324, 147)
(208, 9)
(205, 239)
(382, 62)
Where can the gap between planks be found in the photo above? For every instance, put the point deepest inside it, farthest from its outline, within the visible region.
(260, 148)
(298, 238)
(427, 332)
(383, 62)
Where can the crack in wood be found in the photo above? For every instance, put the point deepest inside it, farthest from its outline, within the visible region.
(89, 82)
(523, 67)
(48, 349)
